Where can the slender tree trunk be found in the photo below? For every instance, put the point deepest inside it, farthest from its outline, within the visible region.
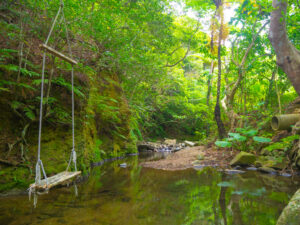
(209, 83)
(211, 71)
(221, 128)
(267, 99)
(288, 57)
(278, 95)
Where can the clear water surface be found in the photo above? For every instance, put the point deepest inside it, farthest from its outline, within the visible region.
(135, 196)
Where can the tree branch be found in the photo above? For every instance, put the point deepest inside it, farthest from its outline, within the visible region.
(187, 51)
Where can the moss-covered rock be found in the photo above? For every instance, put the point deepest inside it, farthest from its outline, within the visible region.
(265, 169)
(243, 159)
(291, 213)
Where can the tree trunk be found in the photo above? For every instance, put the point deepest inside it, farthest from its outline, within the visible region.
(209, 82)
(221, 128)
(267, 99)
(288, 57)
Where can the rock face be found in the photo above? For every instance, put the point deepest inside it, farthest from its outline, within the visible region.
(291, 213)
(243, 159)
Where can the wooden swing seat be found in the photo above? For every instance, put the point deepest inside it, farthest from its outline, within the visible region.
(58, 54)
(58, 179)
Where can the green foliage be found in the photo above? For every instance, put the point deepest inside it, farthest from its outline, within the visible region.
(284, 143)
(261, 139)
(242, 143)
(223, 144)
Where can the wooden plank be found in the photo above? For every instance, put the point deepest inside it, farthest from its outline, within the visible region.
(60, 178)
(58, 54)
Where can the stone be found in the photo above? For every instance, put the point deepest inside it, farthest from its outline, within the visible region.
(291, 213)
(273, 162)
(123, 165)
(200, 157)
(146, 146)
(258, 164)
(251, 168)
(171, 142)
(285, 174)
(265, 152)
(243, 159)
(234, 171)
(267, 170)
(189, 143)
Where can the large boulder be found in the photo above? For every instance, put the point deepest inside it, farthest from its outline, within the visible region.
(243, 159)
(291, 213)
(171, 142)
(147, 146)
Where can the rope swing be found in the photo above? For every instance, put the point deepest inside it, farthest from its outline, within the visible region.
(47, 183)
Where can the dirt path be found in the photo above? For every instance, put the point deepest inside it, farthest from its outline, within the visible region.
(185, 158)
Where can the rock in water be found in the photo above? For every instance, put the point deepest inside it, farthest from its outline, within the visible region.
(189, 143)
(123, 165)
(291, 213)
(243, 159)
(251, 168)
(267, 170)
(234, 171)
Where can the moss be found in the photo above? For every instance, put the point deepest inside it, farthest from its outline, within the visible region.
(102, 131)
(243, 159)
(12, 177)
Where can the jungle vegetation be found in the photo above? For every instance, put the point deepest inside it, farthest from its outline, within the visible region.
(190, 69)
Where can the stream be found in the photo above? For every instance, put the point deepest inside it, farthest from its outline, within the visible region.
(114, 195)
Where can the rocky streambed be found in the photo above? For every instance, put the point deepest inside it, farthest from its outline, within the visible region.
(190, 156)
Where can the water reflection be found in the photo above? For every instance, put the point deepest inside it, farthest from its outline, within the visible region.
(135, 195)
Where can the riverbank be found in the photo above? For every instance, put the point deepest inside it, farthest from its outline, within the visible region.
(191, 156)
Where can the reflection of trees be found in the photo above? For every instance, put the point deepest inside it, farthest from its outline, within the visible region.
(203, 199)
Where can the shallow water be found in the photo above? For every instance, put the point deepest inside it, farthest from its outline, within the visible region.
(112, 195)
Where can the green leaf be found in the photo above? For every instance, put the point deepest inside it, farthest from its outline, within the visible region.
(250, 133)
(237, 136)
(223, 144)
(261, 139)
(29, 113)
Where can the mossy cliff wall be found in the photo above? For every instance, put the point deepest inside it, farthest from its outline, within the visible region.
(102, 131)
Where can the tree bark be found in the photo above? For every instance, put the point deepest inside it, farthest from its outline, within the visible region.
(288, 57)
(267, 99)
(221, 128)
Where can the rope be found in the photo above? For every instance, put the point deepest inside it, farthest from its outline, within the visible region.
(73, 153)
(39, 165)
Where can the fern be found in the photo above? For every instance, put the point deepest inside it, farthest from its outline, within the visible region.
(29, 113)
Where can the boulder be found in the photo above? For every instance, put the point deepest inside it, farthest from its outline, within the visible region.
(171, 142)
(258, 164)
(265, 169)
(243, 159)
(146, 146)
(265, 152)
(291, 213)
(275, 164)
(189, 143)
